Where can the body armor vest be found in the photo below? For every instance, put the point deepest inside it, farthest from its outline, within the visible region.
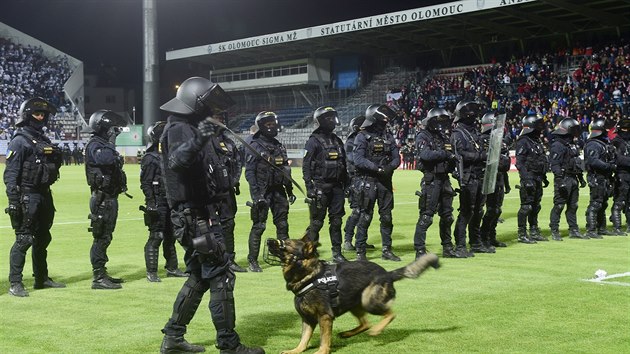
(608, 154)
(622, 147)
(537, 161)
(109, 179)
(277, 155)
(350, 150)
(157, 186)
(40, 169)
(379, 149)
(330, 164)
(434, 143)
(218, 167)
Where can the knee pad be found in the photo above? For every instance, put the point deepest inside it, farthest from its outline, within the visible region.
(336, 221)
(525, 209)
(188, 300)
(316, 225)
(222, 302)
(386, 219)
(426, 221)
(24, 241)
(259, 228)
(447, 220)
(365, 218)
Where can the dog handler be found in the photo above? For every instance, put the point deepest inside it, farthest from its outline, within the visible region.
(185, 166)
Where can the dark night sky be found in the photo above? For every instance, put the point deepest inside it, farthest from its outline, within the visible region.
(110, 31)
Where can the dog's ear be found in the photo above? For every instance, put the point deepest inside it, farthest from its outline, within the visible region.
(310, 249)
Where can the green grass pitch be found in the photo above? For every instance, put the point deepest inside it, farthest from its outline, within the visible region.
(524, 298)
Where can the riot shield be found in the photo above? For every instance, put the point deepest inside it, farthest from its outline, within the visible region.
(494, 152)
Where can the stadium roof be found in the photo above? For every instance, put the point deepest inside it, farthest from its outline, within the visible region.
(433, 28)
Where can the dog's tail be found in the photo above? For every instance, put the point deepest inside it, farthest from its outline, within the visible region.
(415, 268)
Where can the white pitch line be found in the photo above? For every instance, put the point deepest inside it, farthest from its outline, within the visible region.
(612, 276)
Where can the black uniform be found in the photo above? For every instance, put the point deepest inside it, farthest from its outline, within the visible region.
(198, 231)
(67, 154)
(494, 200)
(532, 165)
(566, 165)
(353, 218)
(469, 146)
(268, 188)
(224, 178)
(600, 164)
(78, 155)
(376, 156)
(325, 174)
(157, 214)
(436, 192)
(106, 178)
(32, 166)
(621, 196)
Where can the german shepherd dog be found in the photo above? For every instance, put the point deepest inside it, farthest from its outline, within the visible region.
(325, 291)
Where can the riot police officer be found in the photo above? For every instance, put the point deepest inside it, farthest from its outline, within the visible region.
(621, 196)
(600, 161)
(67, 154)
(566, 165)
(326, 178)
(353, 200)
(532, 165)
(224, 178)
(32, 166)
(184, 166)
(156, 211)
(494, 200)
(436, 160)
(269, 186)
(471, 156)
(375, 157)
(106, 178)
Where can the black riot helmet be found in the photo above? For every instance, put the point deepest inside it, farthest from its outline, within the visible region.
(623, 126)
(267, 124)
(155, 132)
(355, 123)
(377, 114)
(597, 128)
(467, 111)
(487, 122)
(567, 127)
(438, 120)
(533, 123)
(32, 105)
(199, 97)
(106, 124)
(326, 118)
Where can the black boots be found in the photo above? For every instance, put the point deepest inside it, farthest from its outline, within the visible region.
(177, 344)
(48, 283)
(337, 257)
(555, 235)
(388, 255)
(536, 235)
(176, 272)
(254, 266)
(103, 281)
(153, 277)
(420, 252)
(523, 237)
(17, 289)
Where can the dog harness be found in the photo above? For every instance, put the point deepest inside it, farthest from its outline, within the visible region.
(326, 280)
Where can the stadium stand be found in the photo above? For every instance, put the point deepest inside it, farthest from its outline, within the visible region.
(26, 72)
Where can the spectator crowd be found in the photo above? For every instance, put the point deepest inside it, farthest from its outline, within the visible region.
(26, 72)
(547, 84)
